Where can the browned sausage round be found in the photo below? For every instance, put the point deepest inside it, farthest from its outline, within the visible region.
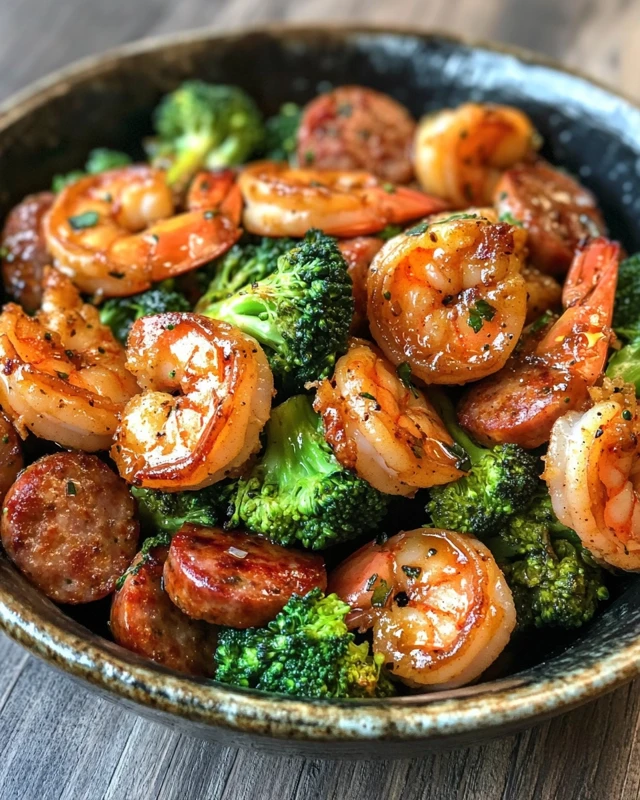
(24, 251)
(554, 208)
(235, 579)
(68, 524)
(353, 127)
(144, 619)
(359, 253)
(11, 461)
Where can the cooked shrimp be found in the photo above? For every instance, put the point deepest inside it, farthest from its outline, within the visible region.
(115, 233)
(593, 475)
(554, 366)
(354, 127)
(440, 608)
(62, 373)
(282, 201)
(448, 298)
(207, 395)
(460, 153)
(544, 293)
(382, 426)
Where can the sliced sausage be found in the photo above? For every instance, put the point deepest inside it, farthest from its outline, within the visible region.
(358, 254)
(235, 579)
(144, 620)
(555, 209)
(11, 461)
(24, 250)
(69, 525)
(354, 128)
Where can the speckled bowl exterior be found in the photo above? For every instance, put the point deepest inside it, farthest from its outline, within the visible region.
(106, 101)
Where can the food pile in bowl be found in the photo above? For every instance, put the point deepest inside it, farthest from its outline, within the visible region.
(332, 404)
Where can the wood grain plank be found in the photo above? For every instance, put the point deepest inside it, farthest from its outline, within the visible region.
(59, 741)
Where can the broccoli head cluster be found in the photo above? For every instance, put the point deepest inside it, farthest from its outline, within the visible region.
(554, 580)
(281, 133)
(306, 651)
(203, 125)
(300, 314)
(119, 313)
(625, 363)
(297, 492)
(500, 482)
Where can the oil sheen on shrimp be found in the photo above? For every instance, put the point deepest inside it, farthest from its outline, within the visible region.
(207, 395)
(283, 201)
(62, 373)
(448, 298)
(117, 232)
(593, 475)
(439, 607)
(461, 153)
(382, 427)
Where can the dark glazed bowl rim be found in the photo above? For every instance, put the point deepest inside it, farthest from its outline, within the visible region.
(488, 708)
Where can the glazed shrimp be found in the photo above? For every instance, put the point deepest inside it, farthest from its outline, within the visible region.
(115, 233)
(382, 427)
(207, 395)
(282, 201)
(554, 366)
(593, 475)
(439, 606)
(461, 153)
(448, 298)
(544, 293)
(62, 373)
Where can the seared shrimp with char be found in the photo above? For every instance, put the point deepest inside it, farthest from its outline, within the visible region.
(62, 372)
(116, 232)
(382, 426)
(460, 153)
(283, 201)
(448, 297)
(436, 601)
(206, 395)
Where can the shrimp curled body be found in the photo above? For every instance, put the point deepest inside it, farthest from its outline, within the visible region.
(593, 475)
(448, 298)
(207, 395)
(282, 201)
(62, 373)
(440, 609)
(384, 429)
(115, 233)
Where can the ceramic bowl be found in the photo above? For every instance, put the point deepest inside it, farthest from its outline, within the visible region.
(589, 129)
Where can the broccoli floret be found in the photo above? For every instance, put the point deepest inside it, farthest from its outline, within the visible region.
(204, 125)
(625, 363)
(119, 313)
(500, 483)
(554, 580)
(281, 133)
(246, 263)
(626, 312)
(298, 492)
(167, 512)
(307, 651)
(99, 160)
(300, 314)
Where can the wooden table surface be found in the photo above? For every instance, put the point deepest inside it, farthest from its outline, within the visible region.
(58, 740)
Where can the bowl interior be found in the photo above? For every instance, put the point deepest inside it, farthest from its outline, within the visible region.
(107, 102)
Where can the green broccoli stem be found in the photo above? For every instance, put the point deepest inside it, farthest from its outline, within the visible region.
(252, 313)
(294, 445)
(447, 414)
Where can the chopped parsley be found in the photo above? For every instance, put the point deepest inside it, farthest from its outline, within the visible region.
(86, 220)
(480, 311)
(71, 489)
(403, 371)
